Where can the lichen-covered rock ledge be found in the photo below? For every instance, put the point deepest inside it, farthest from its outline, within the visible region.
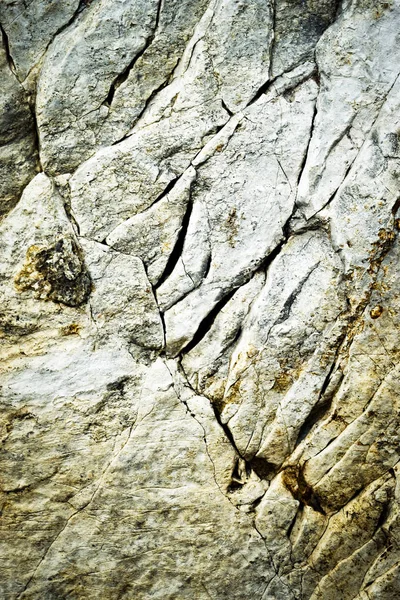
(200, 300)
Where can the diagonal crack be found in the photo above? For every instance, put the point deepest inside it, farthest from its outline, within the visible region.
(6, 45)
(350, 166)
(303, 164)
(177, 249)
(83, 4)
(272, 44)
(122, 77)
(192, 414)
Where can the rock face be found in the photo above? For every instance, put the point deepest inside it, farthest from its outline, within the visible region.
(200, 300)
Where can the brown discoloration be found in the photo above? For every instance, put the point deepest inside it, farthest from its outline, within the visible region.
(376, 312)
(55, 273)
(283, 381)
(71, 329)
(294, 480)
(232, 226)
(233, 396)
(7, 423)
(380, 10)
(380, 248)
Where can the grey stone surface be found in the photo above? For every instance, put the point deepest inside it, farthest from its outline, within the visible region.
(31, 27)
(18, 151)
(200, 299)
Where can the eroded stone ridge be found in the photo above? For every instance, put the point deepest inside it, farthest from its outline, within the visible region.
(200, 300)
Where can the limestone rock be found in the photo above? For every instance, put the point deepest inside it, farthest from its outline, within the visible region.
(207, 364)
(200, 300)
(247, 189)
(18, 153)
(32, 26)
(356, 78)
(297, 31)
(44, 280)
(81, 64)
(153, 233)
(122, 300)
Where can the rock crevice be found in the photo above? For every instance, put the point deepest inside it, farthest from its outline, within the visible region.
(200, 299)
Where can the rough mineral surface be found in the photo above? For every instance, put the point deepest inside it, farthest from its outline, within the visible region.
(200, 300)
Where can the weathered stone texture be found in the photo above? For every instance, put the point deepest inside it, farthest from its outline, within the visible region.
(200, 300)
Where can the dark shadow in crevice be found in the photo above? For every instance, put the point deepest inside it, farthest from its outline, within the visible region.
(224, 106)
(208, 321)
(6, 44)
(296, 483)
(178, 248)
(262, 468)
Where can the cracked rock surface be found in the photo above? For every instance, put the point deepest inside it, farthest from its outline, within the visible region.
(200, 300)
